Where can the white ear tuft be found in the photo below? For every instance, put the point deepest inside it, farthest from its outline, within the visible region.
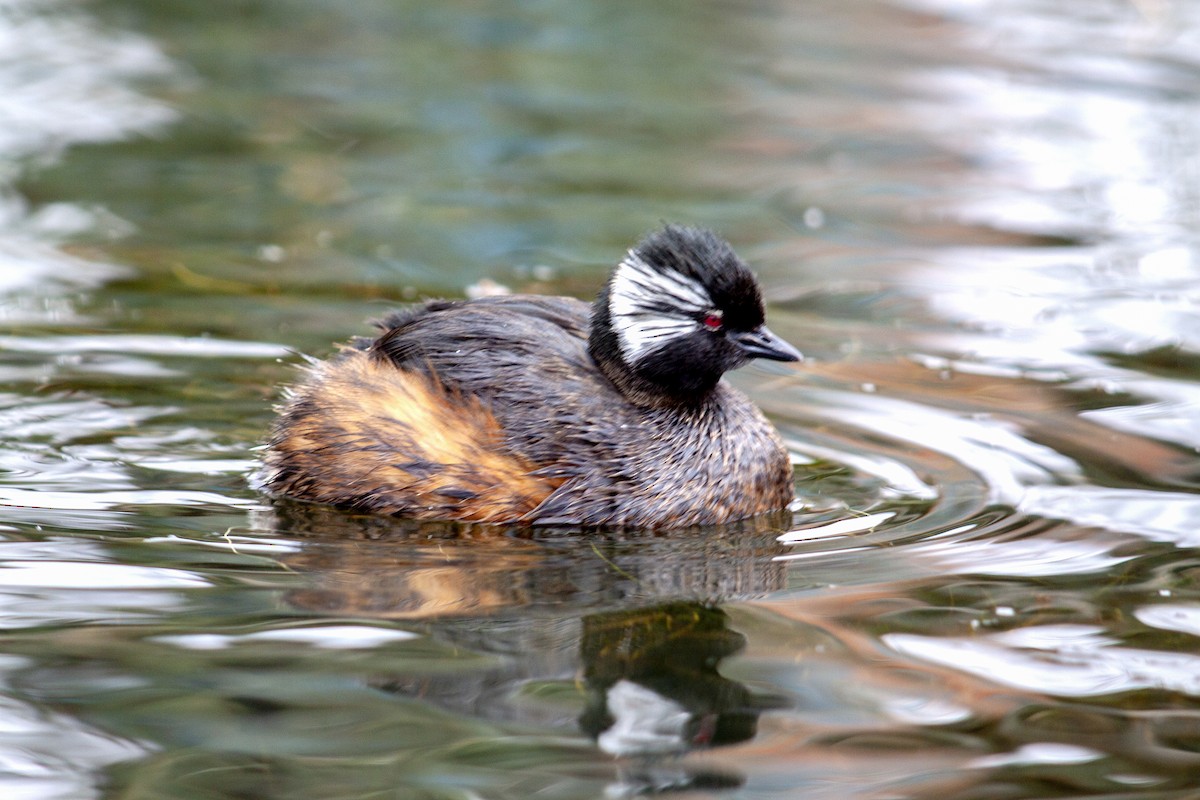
(647, 306)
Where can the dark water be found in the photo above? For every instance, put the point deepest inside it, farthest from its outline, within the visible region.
(980, 221)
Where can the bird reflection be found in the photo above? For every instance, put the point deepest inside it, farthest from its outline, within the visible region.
(380, 567)
(653, 690)
(653, 685)
(628, 627)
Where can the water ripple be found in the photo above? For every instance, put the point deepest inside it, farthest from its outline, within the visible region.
(144, 344)
(1156, 515)
(1062, 660)
(15, 499)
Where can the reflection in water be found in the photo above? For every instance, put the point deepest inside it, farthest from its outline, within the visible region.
(653, 688)
(647, 680)
(648, 672)
(653, 683)
(368, 565)
(64, 81)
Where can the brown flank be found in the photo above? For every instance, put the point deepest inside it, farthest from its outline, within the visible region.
(360, 432)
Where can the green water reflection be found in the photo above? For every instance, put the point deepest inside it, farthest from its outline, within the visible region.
(397, 145)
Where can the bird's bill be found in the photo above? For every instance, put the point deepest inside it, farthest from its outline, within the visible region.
(761, 343)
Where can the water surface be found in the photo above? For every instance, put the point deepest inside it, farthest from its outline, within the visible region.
(977, 219)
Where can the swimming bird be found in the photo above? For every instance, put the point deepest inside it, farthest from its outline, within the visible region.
(546, 410)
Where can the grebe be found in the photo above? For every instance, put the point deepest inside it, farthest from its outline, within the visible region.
(545, 410)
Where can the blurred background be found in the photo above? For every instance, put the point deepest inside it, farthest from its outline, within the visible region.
(979, 219)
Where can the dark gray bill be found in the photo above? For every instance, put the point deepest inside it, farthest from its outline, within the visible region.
(761, 343)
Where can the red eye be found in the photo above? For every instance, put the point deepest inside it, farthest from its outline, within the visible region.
(713, 321)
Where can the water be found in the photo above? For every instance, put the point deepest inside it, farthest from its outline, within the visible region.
(977, 219)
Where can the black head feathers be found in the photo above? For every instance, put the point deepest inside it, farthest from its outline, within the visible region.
(679, 311)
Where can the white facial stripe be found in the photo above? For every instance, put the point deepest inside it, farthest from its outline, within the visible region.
(636, 299)
(637, 280)
(639, 337)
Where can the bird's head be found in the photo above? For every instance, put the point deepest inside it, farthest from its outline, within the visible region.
(679, 311)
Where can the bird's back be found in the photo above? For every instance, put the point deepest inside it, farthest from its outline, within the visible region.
(524, 357)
